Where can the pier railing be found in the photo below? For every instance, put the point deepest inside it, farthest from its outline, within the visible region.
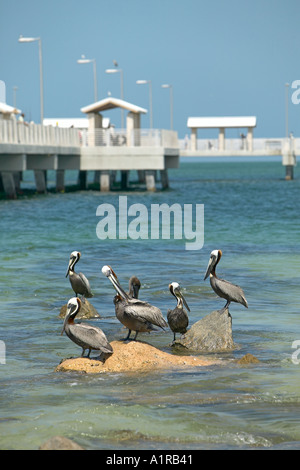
(13, 132)
(122, 137)
(265, 146)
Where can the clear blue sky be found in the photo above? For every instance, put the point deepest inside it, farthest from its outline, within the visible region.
(223, 58)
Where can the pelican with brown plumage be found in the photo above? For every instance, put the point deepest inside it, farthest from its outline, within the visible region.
(80, 284)
(222, 288)
(134, 314)
(178, 318)
(134, 287)
(87, 336)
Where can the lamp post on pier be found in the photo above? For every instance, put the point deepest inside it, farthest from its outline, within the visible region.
(83, 60)
(287, 109)
(122, 90)
(144, 82)
(29, 39)
(171, 103)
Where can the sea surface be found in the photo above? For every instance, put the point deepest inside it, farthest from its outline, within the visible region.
(252, 214)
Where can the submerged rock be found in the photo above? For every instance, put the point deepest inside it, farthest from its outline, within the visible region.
(248, 359)
(87, 311)
(133, 356)
(213, 333)
(60, 443)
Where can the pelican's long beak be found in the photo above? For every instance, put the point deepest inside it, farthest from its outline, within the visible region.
(64, 325)
(178, 295)
(209, 267)
(185, 303)
(114, 280)
(68, 270)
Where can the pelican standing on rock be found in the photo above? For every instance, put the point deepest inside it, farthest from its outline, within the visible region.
(87, 336)
(178, 318)
(222, 288)
(79, 282)
(134, 314)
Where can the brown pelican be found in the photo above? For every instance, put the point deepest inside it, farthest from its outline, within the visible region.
(87, 336)
(136, 315)
(134, 287)
(222, 288)
(178, 318)
(79, 282)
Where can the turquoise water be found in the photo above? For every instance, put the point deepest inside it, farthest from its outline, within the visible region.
(252, 215)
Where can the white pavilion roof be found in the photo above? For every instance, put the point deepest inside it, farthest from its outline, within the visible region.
(7, 109)
(225, 121)
(111, 103)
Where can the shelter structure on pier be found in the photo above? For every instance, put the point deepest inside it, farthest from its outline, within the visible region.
(222, 123)
(94, 110)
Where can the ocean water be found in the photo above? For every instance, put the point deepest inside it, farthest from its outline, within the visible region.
(252, 214)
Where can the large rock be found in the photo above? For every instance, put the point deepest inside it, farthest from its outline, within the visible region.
(133, 356)
(87, 311)
(213, 333)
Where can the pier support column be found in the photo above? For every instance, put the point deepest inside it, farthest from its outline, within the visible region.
(124, 179)
(150, 180)
(105, 181)
(60, 180)
(194, 138)
(82, 179)
(288, 160)
(289, 172)
(164, 179)
(8, 183)
(40, 181)
(17, 180)
(141, 176)
(250, 139)
(96, 176)
(222, 138)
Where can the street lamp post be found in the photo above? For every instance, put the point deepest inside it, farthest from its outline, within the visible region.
(15, 88)
(122, 90)
(287, 109)
(171, 103)
(143, 82)
(83, 60)
(28, 39)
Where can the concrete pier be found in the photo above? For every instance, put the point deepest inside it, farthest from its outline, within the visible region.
(9, 184)
(105, 180)
(40, 181)
(150, 180)
(60, 180)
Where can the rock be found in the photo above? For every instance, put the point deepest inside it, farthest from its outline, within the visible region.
(60, 443)
(248, 359)
(133, 356)
(213, 333)
(87, 311)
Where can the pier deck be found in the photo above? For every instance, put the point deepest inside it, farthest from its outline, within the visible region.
(40, 148)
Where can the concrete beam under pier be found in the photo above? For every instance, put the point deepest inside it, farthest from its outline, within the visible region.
(12, 162)
(42, 162)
